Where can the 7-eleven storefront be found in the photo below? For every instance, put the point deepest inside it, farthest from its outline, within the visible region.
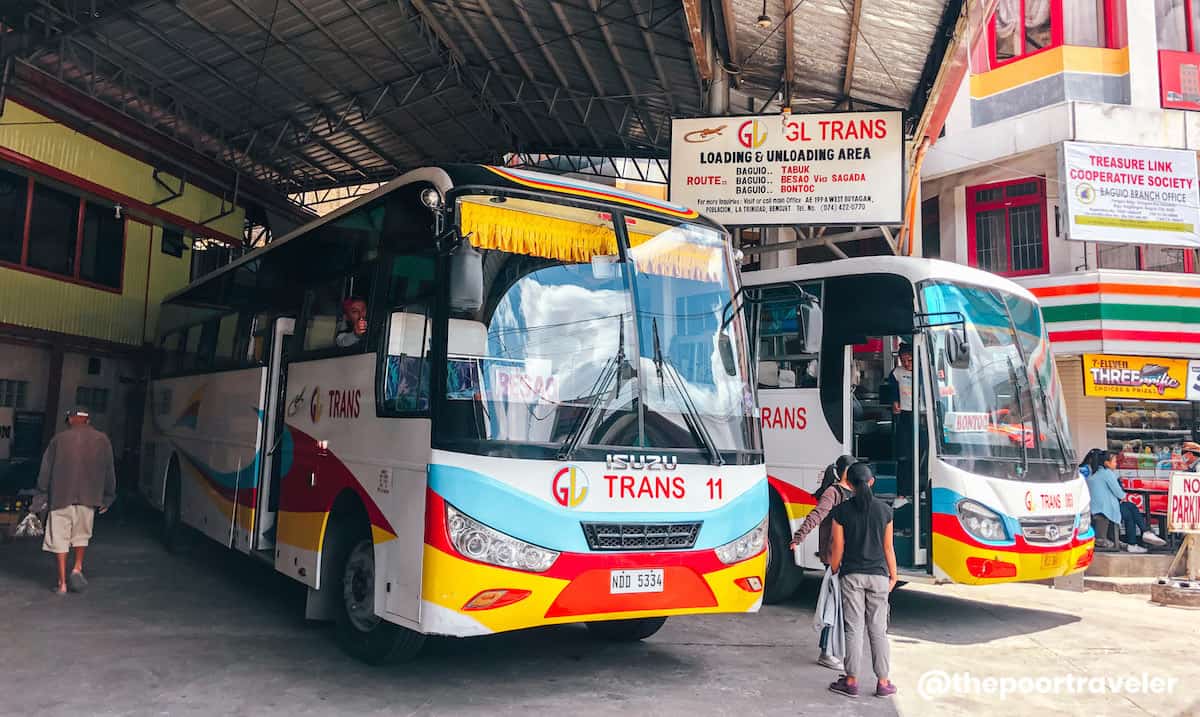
(1127, 346)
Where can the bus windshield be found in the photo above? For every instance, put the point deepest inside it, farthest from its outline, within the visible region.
(587, 350)
(1003, 412)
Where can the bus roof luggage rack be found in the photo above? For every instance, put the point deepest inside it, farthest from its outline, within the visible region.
(641, 536)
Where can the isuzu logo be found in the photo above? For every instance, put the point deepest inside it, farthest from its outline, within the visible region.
(619, 461)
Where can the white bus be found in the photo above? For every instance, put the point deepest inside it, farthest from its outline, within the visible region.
(993, 494)
(476, 400)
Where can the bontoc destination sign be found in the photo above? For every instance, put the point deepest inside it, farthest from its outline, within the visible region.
(844, 168)
(1143, 195)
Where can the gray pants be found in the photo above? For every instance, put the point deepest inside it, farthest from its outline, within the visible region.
(865, 609)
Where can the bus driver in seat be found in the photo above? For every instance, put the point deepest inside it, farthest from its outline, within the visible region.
(353, 328)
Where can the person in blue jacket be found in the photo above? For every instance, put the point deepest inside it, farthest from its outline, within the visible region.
(1109, 504)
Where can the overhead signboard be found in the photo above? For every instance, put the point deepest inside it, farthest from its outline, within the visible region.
(845, 168)
(1193, 381)
(1138, 195)
(1151, 378)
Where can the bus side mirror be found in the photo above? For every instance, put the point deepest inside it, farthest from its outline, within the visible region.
(812, 321)
(725, 348)
(958, 351)
(466, 278)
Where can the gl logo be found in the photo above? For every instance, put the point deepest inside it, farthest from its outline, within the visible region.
(752, 133)
(570, 486)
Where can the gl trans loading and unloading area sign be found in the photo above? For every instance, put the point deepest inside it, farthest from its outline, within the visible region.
(845, 168)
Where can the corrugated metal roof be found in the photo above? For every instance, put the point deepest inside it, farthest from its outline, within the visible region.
(893, 41)
(307, 94)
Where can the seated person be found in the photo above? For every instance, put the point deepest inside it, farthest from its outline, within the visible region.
(1109, 505)
(352, 329)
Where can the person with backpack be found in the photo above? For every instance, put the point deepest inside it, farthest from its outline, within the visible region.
(862, 555)
(834, 489)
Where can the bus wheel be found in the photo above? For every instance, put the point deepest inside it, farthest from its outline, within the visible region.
(175, 533)
(626, 630)
(360, 631)
(783, 575)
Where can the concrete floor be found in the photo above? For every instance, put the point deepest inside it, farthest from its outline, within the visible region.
(214, 633)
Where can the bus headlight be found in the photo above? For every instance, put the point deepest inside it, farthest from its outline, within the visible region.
(748, 545)
(487, 545)
(981, 522)
(1085, 520)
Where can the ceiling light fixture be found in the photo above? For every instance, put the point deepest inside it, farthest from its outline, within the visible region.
(764, 20)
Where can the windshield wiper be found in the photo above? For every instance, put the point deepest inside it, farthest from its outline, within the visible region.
(691, 415)
(609, 374)
(1015, 380)
(1049, 418)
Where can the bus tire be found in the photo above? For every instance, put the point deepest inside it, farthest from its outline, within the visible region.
(360, 632)
(783, 575)
(175, 534)
(626, 630)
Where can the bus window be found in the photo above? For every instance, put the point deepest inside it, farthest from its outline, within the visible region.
(206, 345)
(334, 313)
(169, 352)
(259, 334)
(782, 362)
(406, 366)
(225, 352)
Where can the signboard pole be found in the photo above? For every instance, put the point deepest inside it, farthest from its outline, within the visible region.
(1190, 548)
(1183, 516)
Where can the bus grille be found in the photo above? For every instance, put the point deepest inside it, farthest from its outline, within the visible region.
(1051, 530)
(641, 536)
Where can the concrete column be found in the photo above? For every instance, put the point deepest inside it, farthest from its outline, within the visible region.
(1143, 54)
(54, 404)
(960, 226)
(787, 257)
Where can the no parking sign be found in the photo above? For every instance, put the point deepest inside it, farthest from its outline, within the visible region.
(1183, 513)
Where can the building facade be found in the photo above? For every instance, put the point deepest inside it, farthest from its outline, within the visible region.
(1051, 171)
(91, 239)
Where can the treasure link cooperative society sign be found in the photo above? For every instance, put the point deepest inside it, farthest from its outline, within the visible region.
(1139, 195)
(842, 168)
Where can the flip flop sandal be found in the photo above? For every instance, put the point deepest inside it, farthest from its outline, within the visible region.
(76, 583)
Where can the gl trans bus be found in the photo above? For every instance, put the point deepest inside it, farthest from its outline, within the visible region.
(993, 494)
(476, 400)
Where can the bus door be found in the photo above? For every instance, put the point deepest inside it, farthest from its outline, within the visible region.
(888, 425)
(274, 446)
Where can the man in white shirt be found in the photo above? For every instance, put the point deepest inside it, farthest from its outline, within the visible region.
(901, 380)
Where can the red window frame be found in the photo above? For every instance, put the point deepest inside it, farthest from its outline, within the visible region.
(1113, 30)
(1005, 202)
(1189, 28)
(75, 277)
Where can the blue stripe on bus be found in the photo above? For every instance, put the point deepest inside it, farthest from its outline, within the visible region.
(945, 501)
(522, 516)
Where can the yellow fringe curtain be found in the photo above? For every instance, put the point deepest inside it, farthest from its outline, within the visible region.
(495, 227)
(671, 256)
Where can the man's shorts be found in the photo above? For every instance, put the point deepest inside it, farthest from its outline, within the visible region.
(67, 528)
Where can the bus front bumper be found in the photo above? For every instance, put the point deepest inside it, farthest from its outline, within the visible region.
(462, 597)
(975, 565)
